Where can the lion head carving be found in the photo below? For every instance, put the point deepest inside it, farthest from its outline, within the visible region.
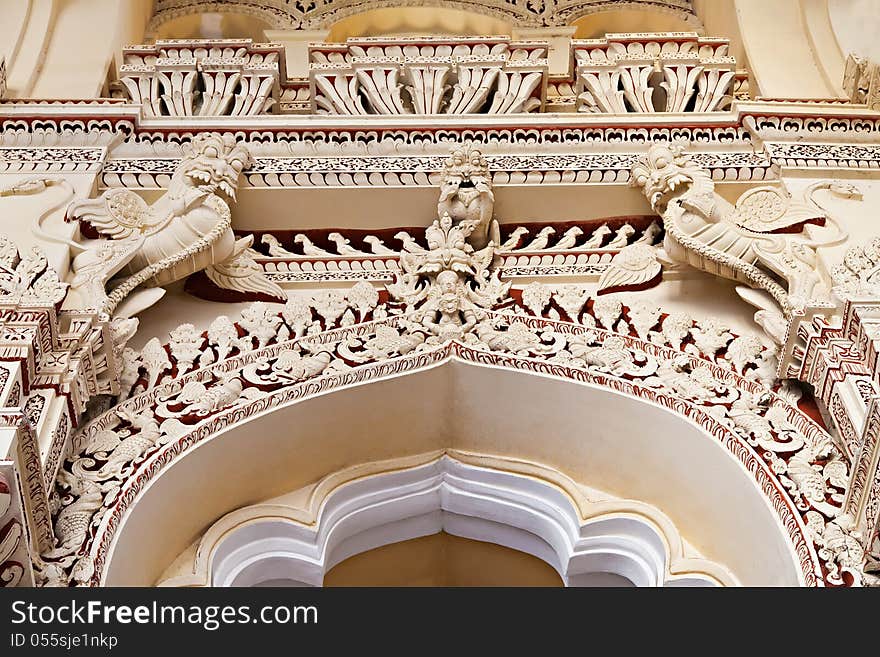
(466, 192)
(666, 172)
(213, 164)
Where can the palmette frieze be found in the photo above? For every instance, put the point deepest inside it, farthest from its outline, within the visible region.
(221, 78)
(427, 76)
(615, 75)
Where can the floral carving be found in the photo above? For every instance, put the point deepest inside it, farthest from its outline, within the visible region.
(28, 279)
(186, 346)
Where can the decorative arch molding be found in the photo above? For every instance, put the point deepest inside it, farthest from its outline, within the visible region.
(521, 13)
(530, 346)
(540, 512)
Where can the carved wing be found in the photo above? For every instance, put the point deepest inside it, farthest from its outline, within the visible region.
(483, 258)
(117, 214)
(635, 267)
(770, 210)
(241, 273)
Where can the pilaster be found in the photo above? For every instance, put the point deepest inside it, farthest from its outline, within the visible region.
(841, 363)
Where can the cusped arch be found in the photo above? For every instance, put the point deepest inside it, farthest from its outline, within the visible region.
(455, 398)
(736, 466)
(549, 517)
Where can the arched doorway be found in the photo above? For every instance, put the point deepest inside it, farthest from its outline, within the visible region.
(585, 535)
(593, 435)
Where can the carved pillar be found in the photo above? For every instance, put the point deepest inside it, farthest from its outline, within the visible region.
(51, 363)
(296, 48)
(841, 362)
(25, 454)
(863, 493)
(15, 553)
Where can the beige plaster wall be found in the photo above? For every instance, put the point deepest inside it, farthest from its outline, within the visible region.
(65, 48)
(857, 217)
(442, 560)
(788, 44)
(856, 25)
(23, 215)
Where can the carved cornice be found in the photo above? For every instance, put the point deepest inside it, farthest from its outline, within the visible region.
(323, 13)
(748, 143)
(616, 74)
(15, 567)
(381, 171)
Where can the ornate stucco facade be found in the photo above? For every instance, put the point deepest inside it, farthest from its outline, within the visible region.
(285, 283)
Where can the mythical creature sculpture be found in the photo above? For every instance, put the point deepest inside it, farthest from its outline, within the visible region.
(466, 196)
(73, 521)
(118, 449)
(760, 241)
(132, 246)
(448, 311)
(446, 284)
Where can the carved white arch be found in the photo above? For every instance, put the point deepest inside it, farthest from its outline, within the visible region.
(119, 541)
(470, 379)
(548, 517)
